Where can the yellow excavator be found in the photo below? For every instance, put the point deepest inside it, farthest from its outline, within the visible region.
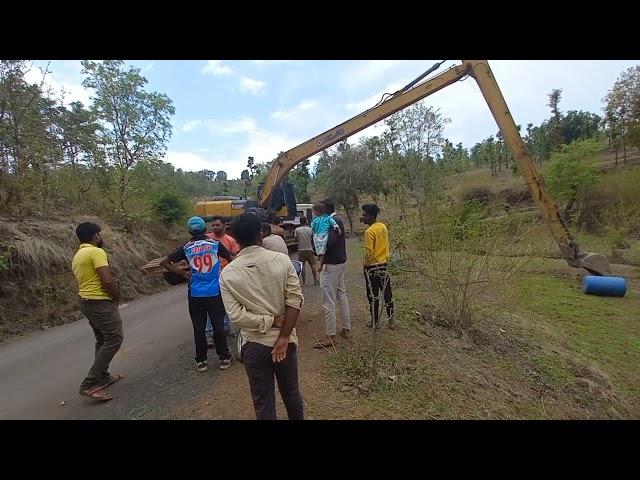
(271, 196)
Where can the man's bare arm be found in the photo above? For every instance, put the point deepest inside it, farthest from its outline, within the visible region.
(166, 263)
(108, 283)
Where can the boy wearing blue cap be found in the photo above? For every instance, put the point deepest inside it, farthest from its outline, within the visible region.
(203, 255)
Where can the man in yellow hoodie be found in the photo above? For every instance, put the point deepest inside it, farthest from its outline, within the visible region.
(376, 256)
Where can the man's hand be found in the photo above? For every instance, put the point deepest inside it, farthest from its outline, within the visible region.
(279, 352)
(278, 321)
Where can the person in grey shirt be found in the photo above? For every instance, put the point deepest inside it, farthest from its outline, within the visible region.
(304, 234)
(273, 242)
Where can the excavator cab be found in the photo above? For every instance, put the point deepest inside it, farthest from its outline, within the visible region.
(283, 195)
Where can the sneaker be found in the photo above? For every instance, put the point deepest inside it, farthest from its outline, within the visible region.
(227, 362)
(201, 366)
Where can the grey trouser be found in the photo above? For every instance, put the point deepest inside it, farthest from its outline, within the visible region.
(332, 286)
(106, 323)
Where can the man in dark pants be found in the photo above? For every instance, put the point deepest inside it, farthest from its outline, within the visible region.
(99, 299)
(263, 297)
(203, 255)
(376, 256)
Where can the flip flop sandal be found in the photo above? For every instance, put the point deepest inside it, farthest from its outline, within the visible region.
(96, 394)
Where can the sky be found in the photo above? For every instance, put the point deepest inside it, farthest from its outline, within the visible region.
(227, 111)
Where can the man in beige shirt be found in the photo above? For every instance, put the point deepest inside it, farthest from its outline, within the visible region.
(271, 241)
(276, 229)
(262, 295)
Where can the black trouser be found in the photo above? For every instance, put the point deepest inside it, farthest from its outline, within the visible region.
(377, 278)
(199, 307)
(106, 323)
(261, 369)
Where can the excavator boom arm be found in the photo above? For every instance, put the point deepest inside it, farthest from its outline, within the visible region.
(594, 263)
(481, 72)
(287, 160)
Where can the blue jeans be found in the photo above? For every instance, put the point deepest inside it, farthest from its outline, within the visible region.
(227, 325)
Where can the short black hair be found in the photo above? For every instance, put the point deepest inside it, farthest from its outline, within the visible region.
(303, 220)
(246, 229)
(265, 227)
(217, 217)
(329, 205)
(372, 209)
(86, 231)
(276, 220)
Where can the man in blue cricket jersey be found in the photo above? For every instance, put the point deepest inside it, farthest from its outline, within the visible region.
(203, 255)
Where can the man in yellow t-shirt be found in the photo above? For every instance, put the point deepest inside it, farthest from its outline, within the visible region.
(376, 256)
(99, 299)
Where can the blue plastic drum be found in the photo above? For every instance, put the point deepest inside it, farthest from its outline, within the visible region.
(604, 286)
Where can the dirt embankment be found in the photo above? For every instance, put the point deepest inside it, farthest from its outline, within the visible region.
(38, 289)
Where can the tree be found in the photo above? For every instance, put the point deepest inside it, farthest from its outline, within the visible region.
(413, 142)
(170, 207)
(221, 176)
(541, 145)
(80, 146)
(137, 122)
(622, 109)
(419, 130)
(489, 155)
(300, 179)
(554, 133)
(244, 175)
(208, 174)
(579, 125)
(30, 152)
(448, 153)
(573, 171)
(347, 174)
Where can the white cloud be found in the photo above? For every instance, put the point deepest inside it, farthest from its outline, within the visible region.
(372, 100)
(217, 68)
(72, 91)
(307, 104)
(194, 162)
(288, 114)
(249, 85)
(289, 121)
(73, 66)
(368, 72)
(264, 145)
(148, 67)
(191, 125)
(222, 127)
(188, 161)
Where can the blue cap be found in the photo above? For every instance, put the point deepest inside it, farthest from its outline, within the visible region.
(195, 224)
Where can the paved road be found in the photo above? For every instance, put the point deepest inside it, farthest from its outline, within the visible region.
(39, 372)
